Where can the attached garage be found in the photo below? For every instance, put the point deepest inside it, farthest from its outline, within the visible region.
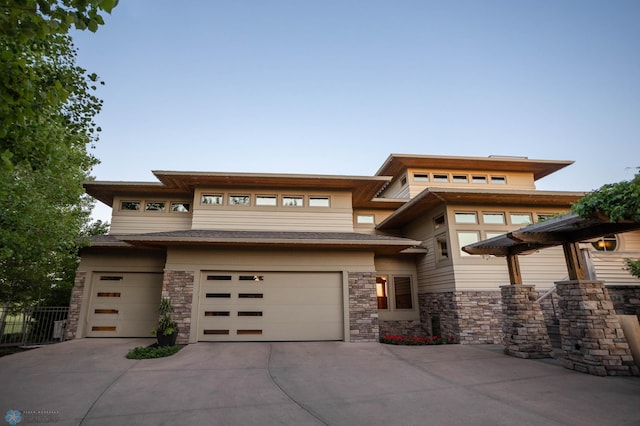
(270, 306)
(123, 304)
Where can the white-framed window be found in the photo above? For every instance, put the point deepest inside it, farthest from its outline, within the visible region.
(498, 180)
(460, 179)
(212, 199)
(467, 237)
(365, 219)
(239, 200)
(466, 217)
(180, 207)
(130, 205)
(155, 206)
(421, 177)
(492, 234)
(293, 201)
(520, 218)
(478, 179)
(266, 200)
(319, 201)
(440, 177)
(493, 218)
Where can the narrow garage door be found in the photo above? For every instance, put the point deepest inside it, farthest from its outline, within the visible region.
(124, 304)
(270, 306)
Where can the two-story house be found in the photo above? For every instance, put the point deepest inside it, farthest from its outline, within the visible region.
(257, 256)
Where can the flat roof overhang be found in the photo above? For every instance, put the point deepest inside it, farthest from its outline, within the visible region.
(395, 163)
(380, 244)
(569, 228)
(433, 197)
(183, 184)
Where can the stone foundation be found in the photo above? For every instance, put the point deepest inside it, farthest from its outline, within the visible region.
(524, 330)
(470, 317)
(75, 305)
(363, 307)
(409, 328)
(178, 286)
(626, 299)
(592, 338)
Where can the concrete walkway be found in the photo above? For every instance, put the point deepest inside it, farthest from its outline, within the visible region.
(90, 382)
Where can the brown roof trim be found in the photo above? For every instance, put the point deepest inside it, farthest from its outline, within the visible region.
(432, 197)
(257, 239)
(105, 191)
(395, 163)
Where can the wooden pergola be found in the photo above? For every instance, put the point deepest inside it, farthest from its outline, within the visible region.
(566, 230)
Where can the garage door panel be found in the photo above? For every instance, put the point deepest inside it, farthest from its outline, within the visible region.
(278, 306)
(124, 305)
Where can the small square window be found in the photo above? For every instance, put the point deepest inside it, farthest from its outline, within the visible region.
(403, 181)
(366, 219)
(441, 178)
(318, 201)
(442, 251)
(493, 218)
(460, 179)
(266, 200)
(180, 207)
(438, 222)
(498, 180)
(155, 206)
(130, 205)
(478, 179)
(239, 200)
(520, 219)
(421, 177)
(293, 201)
(214, 199)
(466, 217)
(467, 237)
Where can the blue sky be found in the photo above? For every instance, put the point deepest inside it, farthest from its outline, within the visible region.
(334, 87)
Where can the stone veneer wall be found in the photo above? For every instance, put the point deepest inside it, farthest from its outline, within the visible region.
(363, 307)
(470, 317)
(409, 328)
(524, 330)
(178, 286)
(75, 305)
(592, 338)
(626, 299)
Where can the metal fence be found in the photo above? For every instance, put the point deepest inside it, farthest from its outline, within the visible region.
(39, 325)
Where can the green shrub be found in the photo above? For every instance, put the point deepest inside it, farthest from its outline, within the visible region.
(153, 352)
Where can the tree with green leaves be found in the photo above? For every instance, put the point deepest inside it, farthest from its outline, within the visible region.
(47, 128)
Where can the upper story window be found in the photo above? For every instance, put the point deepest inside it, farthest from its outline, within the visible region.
(493, 218)
(466, 217)
(214, 199)
(403, 181)
(318, 201)
(460, 179)
(365, 219)
(442, 248)
(421, 177)
(239, 200)
(440, 178)
(155, 206)
(293, 201)
(180, 207)
(498, 180)
(478, 179)
(520, 218)
(266, 200)
(438, 221)
(130, 205)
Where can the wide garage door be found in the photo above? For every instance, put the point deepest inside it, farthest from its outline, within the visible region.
(124, 304)
(270, 306)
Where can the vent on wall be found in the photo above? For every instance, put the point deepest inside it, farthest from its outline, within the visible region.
(111, 278)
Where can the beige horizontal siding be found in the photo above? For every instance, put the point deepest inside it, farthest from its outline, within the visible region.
(610, 267)
(148, 222)
(257, 220)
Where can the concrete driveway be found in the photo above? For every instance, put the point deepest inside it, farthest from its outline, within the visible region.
(90, 382)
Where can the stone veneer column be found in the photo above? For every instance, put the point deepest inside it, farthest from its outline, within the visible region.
(524, 331)
(75, 305)
(363, 307)
(178, 286)
(592, 338)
